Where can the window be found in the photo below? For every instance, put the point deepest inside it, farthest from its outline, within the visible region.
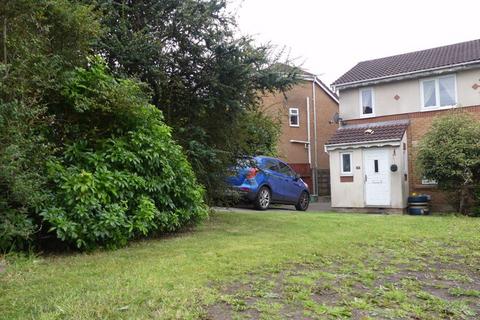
(366, 102)
(439, 92)
(346, 163)
(294, 118)
(375, 164)
(270, 164)
(284, 169)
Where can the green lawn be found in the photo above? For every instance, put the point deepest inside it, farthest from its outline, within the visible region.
(271, 265)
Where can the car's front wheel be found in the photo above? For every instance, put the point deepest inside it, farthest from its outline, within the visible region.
(303, 202)
(263, 198)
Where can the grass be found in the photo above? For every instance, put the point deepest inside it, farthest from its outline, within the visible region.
(263, 265)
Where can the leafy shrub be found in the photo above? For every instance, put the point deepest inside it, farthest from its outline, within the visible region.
(450, 154)
(22, 181)
(129, 186)
(133, 180)
(43, 39)
(258, 134)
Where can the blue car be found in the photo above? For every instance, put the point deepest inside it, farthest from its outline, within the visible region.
(265, 180)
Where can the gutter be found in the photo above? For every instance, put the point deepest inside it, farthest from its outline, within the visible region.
(330, 147)
(323, 86)
(408, 75)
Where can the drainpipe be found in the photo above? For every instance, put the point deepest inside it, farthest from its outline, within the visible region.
(308, 134)
(315, 155)
(312, 170)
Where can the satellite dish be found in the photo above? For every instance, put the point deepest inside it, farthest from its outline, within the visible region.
(336, 118)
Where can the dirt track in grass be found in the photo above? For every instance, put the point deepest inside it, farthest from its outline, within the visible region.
(405, 280)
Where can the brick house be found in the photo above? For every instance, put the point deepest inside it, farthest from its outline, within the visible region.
(305, 113)
(386, 106)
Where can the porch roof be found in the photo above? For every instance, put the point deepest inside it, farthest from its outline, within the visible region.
(369, 132)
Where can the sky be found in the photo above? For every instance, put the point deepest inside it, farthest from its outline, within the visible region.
(327, 38)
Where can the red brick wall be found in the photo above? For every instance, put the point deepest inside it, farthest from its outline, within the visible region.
(296, 154)
(276, 105)
(420, 123)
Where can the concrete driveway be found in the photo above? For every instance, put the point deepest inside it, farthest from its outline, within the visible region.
(322, 205)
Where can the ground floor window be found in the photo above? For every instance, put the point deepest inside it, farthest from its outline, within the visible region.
(346, 163)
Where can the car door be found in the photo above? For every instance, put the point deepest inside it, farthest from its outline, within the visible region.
(292, 187)
(274, 178)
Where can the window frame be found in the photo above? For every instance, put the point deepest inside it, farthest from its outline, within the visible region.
(290, 117)
(346, 173)
(437, 92)
(360, 98)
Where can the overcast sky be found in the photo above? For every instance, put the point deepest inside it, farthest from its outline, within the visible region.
(330, 37)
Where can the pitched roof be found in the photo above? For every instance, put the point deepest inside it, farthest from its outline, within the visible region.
(305, 75)
(379, 131)
(418, 61)
(308, 76)
(327, 89)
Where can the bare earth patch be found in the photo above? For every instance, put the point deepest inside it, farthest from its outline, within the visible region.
(424, 279)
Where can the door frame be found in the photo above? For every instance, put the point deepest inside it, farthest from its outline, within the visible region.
(388, 177)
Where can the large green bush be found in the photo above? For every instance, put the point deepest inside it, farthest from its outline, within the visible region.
(121, 175)
(136, 184)
(450, 154)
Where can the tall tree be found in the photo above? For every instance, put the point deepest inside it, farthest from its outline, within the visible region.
(203, 77)
(40, 39)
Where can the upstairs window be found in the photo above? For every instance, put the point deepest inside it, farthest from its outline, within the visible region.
(366, 102)
(293, 117)
(439, 92)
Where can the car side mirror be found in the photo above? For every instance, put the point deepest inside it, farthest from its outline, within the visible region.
(296, 177)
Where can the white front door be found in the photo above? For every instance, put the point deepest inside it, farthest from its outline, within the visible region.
(377, 177)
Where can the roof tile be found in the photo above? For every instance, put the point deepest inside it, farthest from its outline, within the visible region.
(388, 130)
(412, 62)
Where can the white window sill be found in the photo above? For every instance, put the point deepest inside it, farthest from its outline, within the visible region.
(435, 108)
(346, 174)
(370, 115)
(295, 126)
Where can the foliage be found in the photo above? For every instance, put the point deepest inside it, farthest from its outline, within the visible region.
(133, 181)
(43, 39)
(450, 154)
(203, 77)
(83, 153)
(257, 134)
(22, 180)
(123, 179)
